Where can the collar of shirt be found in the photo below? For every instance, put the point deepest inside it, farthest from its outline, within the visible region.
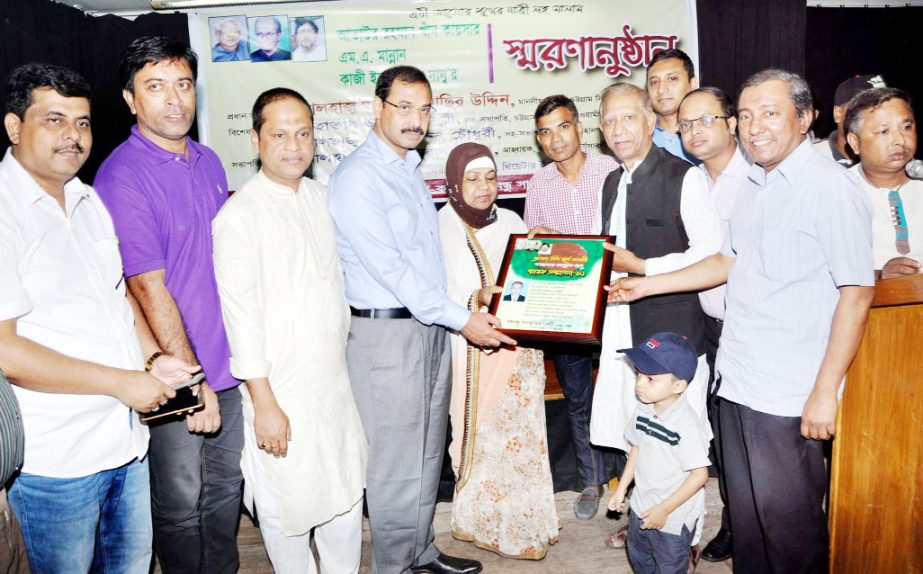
(159, 155)
(835, 151)
(665, 133)
(629, 171)
(788, 168)
(410, 162)
(737, 167)
(276, 189)
(666, 414)
(28, 192)
(865, 180)
(589, 163)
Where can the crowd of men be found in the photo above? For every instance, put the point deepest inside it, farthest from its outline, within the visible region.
(109, 299)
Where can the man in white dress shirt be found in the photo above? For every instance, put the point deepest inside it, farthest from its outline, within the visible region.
(279, 280)
(707, 126)
(883, 131)
(72, 341)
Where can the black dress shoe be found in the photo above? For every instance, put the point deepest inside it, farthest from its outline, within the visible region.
(719, 549)
(445, 564)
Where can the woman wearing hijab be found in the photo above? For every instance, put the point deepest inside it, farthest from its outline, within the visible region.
(504, 499)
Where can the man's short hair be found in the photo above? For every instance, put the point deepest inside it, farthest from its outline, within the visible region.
(274, 95)
(33, 76)
(274, 21)
(551, 103)
(869, 100)
(727, 105)
(406, 74)
(679, 55)
(220, 25)
(619, 88)
(151, 50)
(299, 22)
(798, 89)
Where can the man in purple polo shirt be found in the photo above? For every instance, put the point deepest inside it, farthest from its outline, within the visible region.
(163, 189)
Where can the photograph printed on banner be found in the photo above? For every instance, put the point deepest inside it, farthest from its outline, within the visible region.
(267, 41)
(229, 34)
(309, 39)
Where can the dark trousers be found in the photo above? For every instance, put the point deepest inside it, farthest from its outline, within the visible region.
(776, 483)
(712, 336)
(195, 492)
(575, 373)
(655, 551)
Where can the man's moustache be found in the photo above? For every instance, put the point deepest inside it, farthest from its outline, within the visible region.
(78, 148)
(412, 130)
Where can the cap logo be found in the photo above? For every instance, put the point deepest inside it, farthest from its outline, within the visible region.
(652, 343)
(877, 82)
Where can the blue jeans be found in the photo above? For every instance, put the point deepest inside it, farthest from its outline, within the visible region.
(575, 373)
(195, 492)
(655, 551)
(96, 523)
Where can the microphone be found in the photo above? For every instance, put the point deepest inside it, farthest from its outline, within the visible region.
(914, 169)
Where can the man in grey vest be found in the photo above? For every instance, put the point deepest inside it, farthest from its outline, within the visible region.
(659, 209)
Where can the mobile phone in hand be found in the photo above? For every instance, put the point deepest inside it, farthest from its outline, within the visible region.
(194, 380)
(184, 403)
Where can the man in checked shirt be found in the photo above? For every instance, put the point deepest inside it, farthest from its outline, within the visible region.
(563, 197)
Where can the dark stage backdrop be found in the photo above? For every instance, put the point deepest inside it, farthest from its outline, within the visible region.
(843, 42)
(740, 37)
(42, 31)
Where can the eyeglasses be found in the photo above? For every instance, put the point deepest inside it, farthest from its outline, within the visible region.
(267, 34)
(705, 121)
(406, 109)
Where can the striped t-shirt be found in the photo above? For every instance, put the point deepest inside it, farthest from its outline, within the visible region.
(11, 433)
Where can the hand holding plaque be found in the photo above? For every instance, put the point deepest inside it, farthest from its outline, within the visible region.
(553, 288)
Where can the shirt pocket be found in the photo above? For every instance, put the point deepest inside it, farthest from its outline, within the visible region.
(108, 263)
(402, 223)
(786, 255)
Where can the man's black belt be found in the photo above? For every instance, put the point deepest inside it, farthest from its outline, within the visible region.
(396, 313)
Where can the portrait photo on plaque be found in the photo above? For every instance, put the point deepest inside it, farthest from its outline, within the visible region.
(553, 288)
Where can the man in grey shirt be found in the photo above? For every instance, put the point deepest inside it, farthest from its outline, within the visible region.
(798, 263)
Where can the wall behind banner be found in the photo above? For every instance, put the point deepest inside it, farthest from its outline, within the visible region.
(43, 31)
(489, 64)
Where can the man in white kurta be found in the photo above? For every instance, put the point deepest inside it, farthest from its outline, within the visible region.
(614, 401)
(882, 125)
(285, 311)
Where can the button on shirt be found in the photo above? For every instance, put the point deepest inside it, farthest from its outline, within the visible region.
(724, 194)
(673, 143)
(163, 205)
(798, 232)
(554, 202)
(388, 235)
(61, 279)
(670, 446)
